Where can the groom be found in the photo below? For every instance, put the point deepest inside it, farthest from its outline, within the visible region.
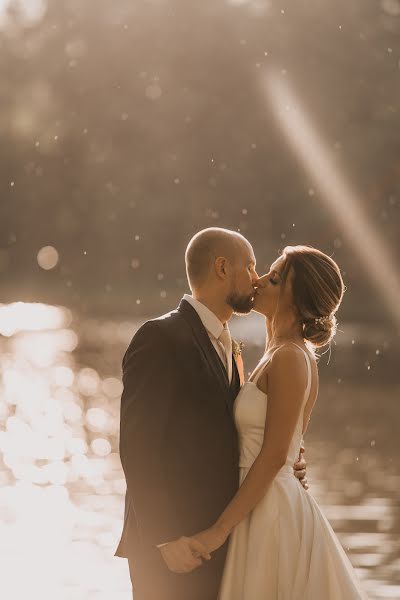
(178, 442)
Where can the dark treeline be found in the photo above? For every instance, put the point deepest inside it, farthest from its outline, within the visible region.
(127, 126)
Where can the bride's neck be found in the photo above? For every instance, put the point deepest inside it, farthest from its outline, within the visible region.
(287, 332)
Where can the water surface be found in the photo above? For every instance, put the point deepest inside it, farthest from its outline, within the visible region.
(62, 486)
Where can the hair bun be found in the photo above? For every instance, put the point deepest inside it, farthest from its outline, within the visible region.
(320, 330)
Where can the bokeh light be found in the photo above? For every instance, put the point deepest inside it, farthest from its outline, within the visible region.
(49, 458)
(47, 258)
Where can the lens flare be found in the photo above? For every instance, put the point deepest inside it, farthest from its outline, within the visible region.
(336, 193)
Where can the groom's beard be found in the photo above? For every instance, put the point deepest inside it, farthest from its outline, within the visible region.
(240, 304)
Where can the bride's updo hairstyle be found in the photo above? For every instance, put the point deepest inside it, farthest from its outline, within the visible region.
(318, 289)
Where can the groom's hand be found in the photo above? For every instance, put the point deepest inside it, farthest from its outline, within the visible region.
(300, 468)
(184, 555)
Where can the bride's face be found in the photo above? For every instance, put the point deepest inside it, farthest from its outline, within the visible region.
(269, 290)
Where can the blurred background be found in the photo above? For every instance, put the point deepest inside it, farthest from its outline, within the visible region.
(125, 128)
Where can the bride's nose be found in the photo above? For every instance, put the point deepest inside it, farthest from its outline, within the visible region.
(260, 282)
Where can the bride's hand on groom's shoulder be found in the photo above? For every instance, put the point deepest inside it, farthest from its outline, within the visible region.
(184, 555)
(212, 538)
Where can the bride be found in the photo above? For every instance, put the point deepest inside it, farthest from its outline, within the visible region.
(281, 546)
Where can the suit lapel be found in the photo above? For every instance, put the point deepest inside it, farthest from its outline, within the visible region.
(235, 383)
(207, 347)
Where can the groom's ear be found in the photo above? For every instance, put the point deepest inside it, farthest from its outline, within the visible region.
(221, 267)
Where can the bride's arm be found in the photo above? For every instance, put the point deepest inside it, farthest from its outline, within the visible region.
(287, 378)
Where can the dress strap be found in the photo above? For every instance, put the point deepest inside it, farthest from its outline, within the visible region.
(309, 378)
(260, 367)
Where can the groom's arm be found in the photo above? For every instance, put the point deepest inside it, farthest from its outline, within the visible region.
(148, 395)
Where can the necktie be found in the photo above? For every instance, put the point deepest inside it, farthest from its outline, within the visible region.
(226, 341)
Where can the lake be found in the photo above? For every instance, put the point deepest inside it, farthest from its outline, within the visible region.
(61, 482)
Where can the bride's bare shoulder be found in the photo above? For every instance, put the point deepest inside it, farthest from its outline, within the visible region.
(288, 351)
(289, 360)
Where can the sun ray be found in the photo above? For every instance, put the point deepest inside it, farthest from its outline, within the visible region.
(336, 193)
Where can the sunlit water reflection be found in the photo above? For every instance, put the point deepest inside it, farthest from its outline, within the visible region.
(61, 483)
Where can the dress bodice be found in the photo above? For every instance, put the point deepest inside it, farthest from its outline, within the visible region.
(250, 413)
(285, 548)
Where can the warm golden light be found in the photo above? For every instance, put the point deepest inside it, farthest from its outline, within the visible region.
(52, 477)
(22, 316)
(336, 193)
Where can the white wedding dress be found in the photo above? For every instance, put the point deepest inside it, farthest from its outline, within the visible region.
(285, 548)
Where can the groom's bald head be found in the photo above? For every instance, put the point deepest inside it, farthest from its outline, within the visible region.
(206, 246)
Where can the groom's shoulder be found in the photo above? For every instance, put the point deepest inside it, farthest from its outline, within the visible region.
(169, 319)
(166, 325)
(165, 333)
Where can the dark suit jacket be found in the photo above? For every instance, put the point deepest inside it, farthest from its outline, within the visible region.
(178, 442)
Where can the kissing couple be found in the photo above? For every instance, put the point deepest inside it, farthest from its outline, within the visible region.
(217, 505)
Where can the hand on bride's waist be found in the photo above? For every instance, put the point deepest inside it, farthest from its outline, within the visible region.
(300, 468)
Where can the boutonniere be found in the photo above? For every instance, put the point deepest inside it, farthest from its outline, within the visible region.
(237, 348)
